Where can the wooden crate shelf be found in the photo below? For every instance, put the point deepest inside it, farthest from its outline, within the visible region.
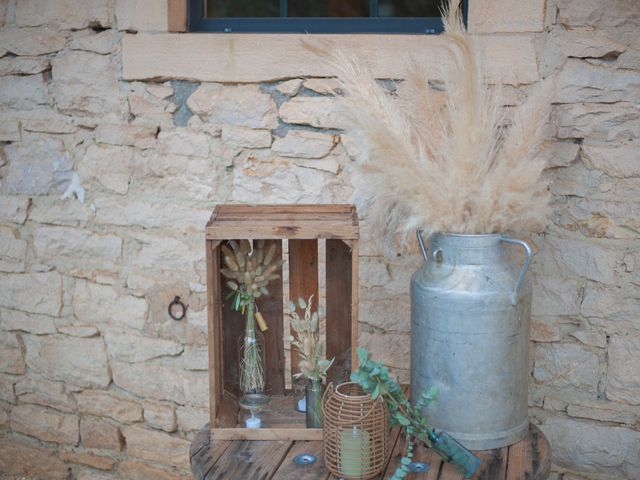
(302, 226)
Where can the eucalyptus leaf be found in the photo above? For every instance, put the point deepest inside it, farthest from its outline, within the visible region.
(403, 420)
(363, 355)
(376, 392)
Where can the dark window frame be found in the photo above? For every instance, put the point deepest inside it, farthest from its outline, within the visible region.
(197, 22)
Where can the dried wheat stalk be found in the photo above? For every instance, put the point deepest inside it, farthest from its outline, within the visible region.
(445, 159)
(307, 341)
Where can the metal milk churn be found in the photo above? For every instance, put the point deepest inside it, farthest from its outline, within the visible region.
(470, 313)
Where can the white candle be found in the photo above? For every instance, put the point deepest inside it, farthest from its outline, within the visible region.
(253, 422)
(355, 455)
(302, 405)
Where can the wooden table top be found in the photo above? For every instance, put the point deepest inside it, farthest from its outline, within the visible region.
(529, 459)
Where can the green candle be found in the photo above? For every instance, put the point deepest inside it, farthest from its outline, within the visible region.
(355, 453)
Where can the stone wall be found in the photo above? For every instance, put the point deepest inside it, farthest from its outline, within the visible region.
(107, 184)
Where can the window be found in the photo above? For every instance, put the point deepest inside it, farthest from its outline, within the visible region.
(316, 16)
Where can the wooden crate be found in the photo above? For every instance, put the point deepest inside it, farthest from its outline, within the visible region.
(302, 226)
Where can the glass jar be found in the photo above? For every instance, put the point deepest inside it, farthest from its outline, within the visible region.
(313, 396)
(251, 356)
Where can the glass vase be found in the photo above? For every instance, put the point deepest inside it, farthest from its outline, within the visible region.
(313, 397)
(454, 452)
(251, 356)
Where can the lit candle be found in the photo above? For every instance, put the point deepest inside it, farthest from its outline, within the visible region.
(253, 422)
(355, 454)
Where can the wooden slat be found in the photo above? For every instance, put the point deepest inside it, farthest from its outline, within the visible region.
(520, 462)
(267, 209)
(227, 413)
(450, 472)
(271, 309)
(339, 304)
(394, 437)
(397, 451)
(529, 459)
(201, 442)
(494, 464)
(303, 279)
(493, 467)
(177, 15)
(282, 411)
(541, 451)
(203, 454)
(299, 230)
(214, 330)
(232, 328)
(229, 218)
(266, 434)
(435, 464)
(291, 471)
(421, 454)
(284, 215)
(355, 275)
(250, 460)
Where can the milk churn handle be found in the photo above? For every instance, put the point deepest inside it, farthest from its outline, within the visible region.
(422, 247)
(523, 269)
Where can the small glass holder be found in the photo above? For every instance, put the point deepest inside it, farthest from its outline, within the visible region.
(255, 409)
(298, 386)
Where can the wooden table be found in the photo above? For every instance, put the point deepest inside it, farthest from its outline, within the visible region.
(529, 459)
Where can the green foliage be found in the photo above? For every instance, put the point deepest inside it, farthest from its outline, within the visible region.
(374, 378)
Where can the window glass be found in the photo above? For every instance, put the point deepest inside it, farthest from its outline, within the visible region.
(409, 8)
(328, 8)
(242, 8)
(322, 8)
(316, 16)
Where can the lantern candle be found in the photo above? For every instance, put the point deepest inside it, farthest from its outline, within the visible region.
(355, 454)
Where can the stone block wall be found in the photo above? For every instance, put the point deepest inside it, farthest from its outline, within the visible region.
(106, 185)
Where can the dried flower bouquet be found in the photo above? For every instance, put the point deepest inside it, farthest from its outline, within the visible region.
(307, 340)
(312, 350)
(249, 271)
(444, 157)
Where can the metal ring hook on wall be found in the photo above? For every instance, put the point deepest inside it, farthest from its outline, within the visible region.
(177, 303)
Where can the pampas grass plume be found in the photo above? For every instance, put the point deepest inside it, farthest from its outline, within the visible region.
(444, 157)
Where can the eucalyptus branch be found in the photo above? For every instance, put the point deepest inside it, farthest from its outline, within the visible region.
(374, 378)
